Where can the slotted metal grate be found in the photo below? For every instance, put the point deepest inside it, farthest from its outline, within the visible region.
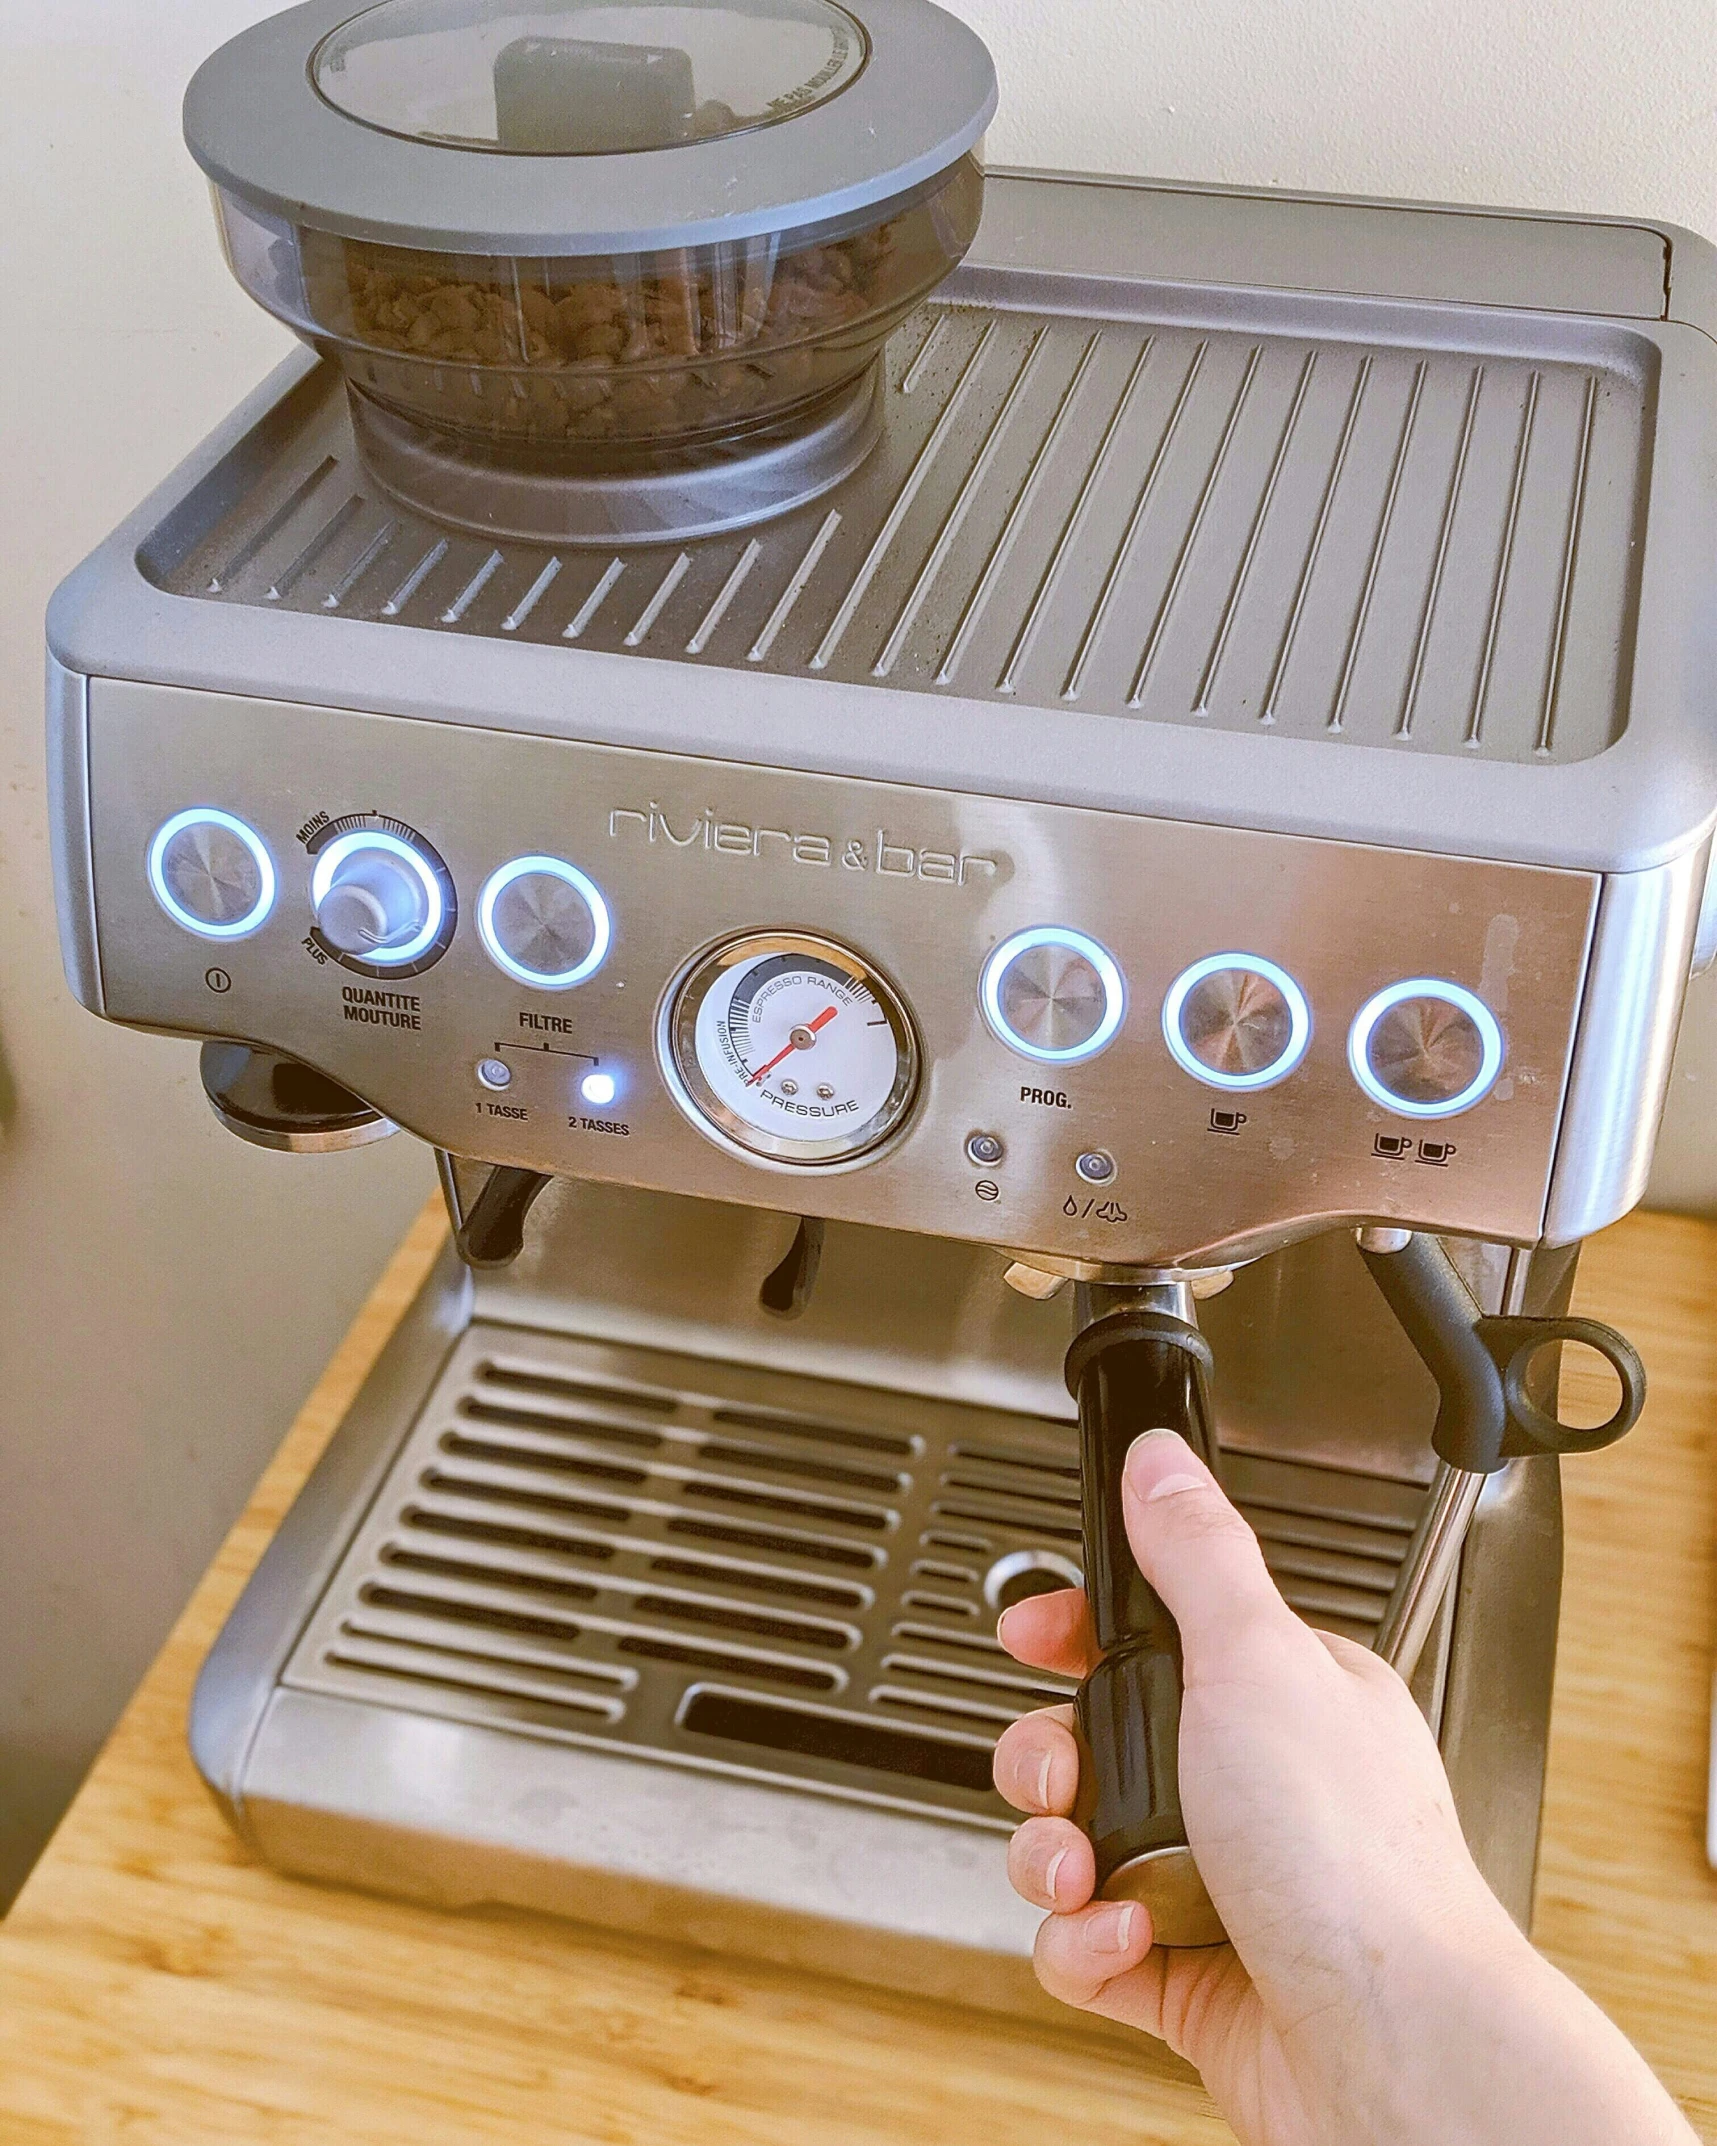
(729, 1568)
(1425, 548)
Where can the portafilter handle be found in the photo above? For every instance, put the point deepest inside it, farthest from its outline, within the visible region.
(1137, 1364)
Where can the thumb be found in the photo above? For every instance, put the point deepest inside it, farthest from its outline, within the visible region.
(1198, 1553)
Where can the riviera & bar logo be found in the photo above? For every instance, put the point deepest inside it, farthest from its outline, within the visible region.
(878, 853)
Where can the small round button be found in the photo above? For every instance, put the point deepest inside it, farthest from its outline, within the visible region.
(544, 922)
(1426, 1049)
(1237, 1021)
(377, 899)
(212, 874)
(1053, 994)
(495, 1073)
(1096, 1168)
(985, 1150)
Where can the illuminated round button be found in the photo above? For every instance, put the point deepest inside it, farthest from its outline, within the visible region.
(1053, 994)
(1426, 1049)
(377, 899)
(544, 922)
(1237, 1021)
(212, 874)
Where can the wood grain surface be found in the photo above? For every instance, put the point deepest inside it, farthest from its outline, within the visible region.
(158, 1988)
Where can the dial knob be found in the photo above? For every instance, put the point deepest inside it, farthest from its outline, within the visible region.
(212, 874)
(1426, 1049)
(1237, 1021)
(377, 899)
(544, 921)
(1053, 994)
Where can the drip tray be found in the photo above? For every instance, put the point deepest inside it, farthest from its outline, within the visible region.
(705, 1651)
(743, 1572)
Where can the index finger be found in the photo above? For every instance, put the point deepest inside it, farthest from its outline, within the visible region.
(1051, 1631)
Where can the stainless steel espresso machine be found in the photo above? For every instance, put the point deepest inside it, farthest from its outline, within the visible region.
(975, 815)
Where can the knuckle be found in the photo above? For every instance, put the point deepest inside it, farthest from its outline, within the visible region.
(1036, 1764)
(1005, 1762)
(1057, 1974)
(1201, 1514)
(1019, 1767)
(1031, 1852)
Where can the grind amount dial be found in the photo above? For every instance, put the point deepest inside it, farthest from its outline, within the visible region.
(789, 1048)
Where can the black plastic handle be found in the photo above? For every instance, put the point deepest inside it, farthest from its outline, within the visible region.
(788, 1288)
(1514, 1344)
(493, 1232)
(1132, 1371)
(1486, 1367)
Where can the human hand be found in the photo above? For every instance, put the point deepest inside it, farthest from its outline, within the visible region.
(1374, 1988)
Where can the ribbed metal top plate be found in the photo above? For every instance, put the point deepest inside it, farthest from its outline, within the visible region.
(728, 1568)
(1435, 549)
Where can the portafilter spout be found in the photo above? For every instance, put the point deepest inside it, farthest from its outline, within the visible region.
(1138, 1363)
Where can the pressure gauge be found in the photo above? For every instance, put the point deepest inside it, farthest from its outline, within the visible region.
(789, 1048)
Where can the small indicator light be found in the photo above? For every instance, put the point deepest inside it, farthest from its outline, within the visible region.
(599, 1089)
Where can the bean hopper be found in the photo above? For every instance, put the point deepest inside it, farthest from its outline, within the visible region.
(565, 255)
(974, 815)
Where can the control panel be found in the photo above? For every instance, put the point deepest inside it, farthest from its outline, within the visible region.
(1111, 1039)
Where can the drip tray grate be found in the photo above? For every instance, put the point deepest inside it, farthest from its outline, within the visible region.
(732, 1569)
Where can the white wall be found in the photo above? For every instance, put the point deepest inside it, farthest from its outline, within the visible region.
(165, 1294)
(1564, 104)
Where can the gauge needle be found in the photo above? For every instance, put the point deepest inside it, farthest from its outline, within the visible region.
(811, 1028)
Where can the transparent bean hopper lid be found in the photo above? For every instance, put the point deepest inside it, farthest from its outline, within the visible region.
(599, 269)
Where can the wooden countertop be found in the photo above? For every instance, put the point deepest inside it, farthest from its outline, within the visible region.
(158, 1987)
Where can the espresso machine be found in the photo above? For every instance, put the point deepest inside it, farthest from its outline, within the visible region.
(976, 813)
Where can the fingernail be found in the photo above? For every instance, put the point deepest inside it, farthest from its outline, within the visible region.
(1002, 1622)
(1043, 1773)
(1136, 1451)
(1050, 1875)
(1114, 1932)
(1171, 1486)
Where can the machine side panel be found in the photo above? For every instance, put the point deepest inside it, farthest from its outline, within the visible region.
(1641, 954)
(69, 826)
(1692, 279)
(1502, 1665)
